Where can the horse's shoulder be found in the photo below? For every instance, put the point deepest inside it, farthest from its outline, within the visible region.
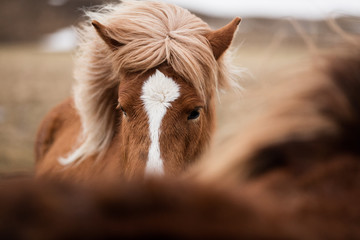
(55, 120)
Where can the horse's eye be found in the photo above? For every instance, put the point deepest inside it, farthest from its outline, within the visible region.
(194, 114)
(121, 108)
(125, 114)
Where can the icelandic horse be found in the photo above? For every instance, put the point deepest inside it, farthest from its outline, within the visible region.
(147, 75)
(297, 162)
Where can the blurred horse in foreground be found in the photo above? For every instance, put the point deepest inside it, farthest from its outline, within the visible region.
(293, 173)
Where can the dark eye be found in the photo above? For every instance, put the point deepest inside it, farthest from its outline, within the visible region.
(194, 114)
(121, 108)
(123, 111)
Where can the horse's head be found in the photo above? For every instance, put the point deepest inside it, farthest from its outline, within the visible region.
(165, 124)
(167, 69)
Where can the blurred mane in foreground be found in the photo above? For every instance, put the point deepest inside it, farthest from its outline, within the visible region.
(293, 173)
(147, 75)
(298, 161)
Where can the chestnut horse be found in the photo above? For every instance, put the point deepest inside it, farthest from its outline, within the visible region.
(298, 160)
(147, 76)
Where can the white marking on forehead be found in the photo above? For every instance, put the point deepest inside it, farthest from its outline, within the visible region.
(157, 94)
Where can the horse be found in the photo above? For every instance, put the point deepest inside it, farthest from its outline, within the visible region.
(133, 210)
(298, 160)
(147, 76)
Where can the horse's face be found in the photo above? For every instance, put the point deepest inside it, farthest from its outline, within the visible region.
(164, 122)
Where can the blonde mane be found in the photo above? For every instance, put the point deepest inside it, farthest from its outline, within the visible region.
(152, 33)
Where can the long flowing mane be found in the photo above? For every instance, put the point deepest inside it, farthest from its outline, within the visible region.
(152, 33)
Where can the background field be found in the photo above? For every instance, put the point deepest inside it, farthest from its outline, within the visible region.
(33, 81)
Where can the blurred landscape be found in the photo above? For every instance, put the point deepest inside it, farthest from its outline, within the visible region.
(35, 75)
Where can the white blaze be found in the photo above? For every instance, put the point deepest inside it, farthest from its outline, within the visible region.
(157, 94)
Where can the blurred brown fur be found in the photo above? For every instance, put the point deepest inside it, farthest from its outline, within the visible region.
(154, 209)
(308, 118)
(299, 159)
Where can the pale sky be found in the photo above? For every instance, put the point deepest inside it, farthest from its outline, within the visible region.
(65, 40)
(306, 9)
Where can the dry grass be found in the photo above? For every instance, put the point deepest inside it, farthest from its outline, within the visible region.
(33, 81)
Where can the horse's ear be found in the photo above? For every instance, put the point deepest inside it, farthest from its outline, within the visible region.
(105, 33)
(220, 39)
